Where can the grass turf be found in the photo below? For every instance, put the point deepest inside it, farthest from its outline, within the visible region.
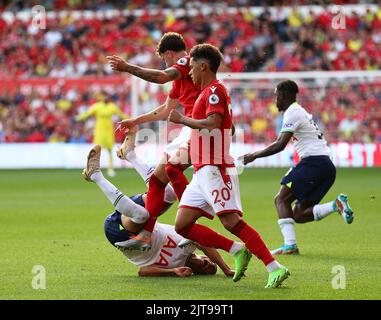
(55, 219)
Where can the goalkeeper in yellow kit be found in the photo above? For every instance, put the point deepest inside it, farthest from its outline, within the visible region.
(104, 110)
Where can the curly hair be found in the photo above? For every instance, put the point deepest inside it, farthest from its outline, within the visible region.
(171, 41)
(208, 52)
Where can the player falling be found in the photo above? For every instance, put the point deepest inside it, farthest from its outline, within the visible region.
(214, 189)
(167, 256)
(309, 181)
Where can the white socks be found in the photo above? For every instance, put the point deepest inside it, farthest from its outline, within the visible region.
(287, 228)
(321, 211)
(144, 170)
(236, 246)
(123, 204)
(272, 266)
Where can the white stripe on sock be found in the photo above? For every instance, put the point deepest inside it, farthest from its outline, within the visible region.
(123, 204)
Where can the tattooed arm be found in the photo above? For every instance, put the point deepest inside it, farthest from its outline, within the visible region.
(151, 75)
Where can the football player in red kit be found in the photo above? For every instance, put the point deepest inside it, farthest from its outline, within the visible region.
(214, 189)
(171, 48)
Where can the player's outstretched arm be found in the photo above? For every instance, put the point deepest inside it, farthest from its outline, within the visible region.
(214, 255)
(213, 121)
(159, 113)
(87, 114)
(276, 147)
(151, 75)
(152, 271)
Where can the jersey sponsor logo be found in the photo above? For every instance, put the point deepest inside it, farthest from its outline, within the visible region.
(288, 125)
(182, 61)
(214, 99)
(171, 243)
(164, 254)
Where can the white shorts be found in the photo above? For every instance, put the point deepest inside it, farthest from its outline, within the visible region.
(212, 192)
(181, 141)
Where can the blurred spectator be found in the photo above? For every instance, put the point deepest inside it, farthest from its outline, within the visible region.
(280, 40)
(273, 40)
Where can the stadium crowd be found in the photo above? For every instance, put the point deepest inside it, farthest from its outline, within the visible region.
(280, 41)
(72, 47)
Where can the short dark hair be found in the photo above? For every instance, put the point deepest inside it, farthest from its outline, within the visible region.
(171, 41)
(208, 52)
(288, 86)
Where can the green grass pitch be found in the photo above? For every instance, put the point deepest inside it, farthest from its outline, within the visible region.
(55, 219)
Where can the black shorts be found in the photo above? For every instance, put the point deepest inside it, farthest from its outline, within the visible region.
(114, 230)
(311, 178)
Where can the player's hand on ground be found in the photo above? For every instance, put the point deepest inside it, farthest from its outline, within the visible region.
(117, 63)
(183, 272)
(175, 116)
(125, 125)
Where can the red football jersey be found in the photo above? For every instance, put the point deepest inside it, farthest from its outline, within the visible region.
(184, 89)
(212, 147)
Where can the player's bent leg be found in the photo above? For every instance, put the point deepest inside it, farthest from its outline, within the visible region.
(179, 181)
(122, 204)
(174, 169)
(154, 205)
(303, 212)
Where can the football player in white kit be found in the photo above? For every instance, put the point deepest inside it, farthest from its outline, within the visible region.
(167, 256)
(309, 181)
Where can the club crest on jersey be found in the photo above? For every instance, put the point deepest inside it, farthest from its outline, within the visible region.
(182, 61)
(214, 99)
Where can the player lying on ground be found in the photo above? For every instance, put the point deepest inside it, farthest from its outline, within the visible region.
(172, 50)
(214, 189)
(167, 256)
(309, 181)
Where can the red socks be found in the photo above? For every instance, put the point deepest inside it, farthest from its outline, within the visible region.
(155, 201)
(178, 180)
(206, 237)
(253, 241)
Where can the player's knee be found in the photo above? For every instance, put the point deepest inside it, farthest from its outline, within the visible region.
(230, 220)
(181, 230)
(298, 214)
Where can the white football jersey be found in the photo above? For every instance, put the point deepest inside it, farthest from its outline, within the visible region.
(309, 140)
(165, 251)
